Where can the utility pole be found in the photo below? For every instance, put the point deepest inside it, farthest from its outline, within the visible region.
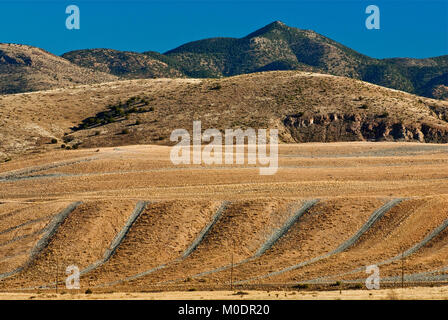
(402, 270)
(231, 266)
(57, 270)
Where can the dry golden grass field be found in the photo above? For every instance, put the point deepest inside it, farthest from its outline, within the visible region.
(331, 210)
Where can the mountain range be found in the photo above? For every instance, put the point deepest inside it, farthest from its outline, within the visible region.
(274, 47)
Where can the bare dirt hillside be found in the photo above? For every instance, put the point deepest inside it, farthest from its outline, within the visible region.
(305, 107)
(25, 68)
(134, 222)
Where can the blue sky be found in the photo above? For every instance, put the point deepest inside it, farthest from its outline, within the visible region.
(412, 28)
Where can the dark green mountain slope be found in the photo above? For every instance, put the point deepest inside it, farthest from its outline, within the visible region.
(279, 47)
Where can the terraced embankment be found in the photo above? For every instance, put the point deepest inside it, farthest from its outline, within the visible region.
(146, 224)
(81, 239)
(419, 244)
(317, 232)
(34, 235)
(243, 228)
(163, 233)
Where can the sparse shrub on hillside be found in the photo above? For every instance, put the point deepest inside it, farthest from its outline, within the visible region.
(336, 284)
(356, 286)
(364, 107)
(67, 139)
(137, 122)
(54, 141)
(68, 148)
(63, 146)
(302, 286)
(75, 146)
(216, 86)
(125, 131)
(116, 112)
(88, 291)
(384, 115)
(97, 133)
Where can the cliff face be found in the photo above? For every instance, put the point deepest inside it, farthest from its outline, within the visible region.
(356, 127)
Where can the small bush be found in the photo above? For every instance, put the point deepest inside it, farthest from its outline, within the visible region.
(356, 286)
(124, 131)
(68, 139)
(54, 141)
(364, 107)
(302, 286)
(137, 122)
(88, 291)
(63, 146)
(75, 146)
(68, 148)
(216, 86)
(97, 133)
(336, 284)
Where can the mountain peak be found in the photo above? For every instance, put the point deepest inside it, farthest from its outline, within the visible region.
(276, 25)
